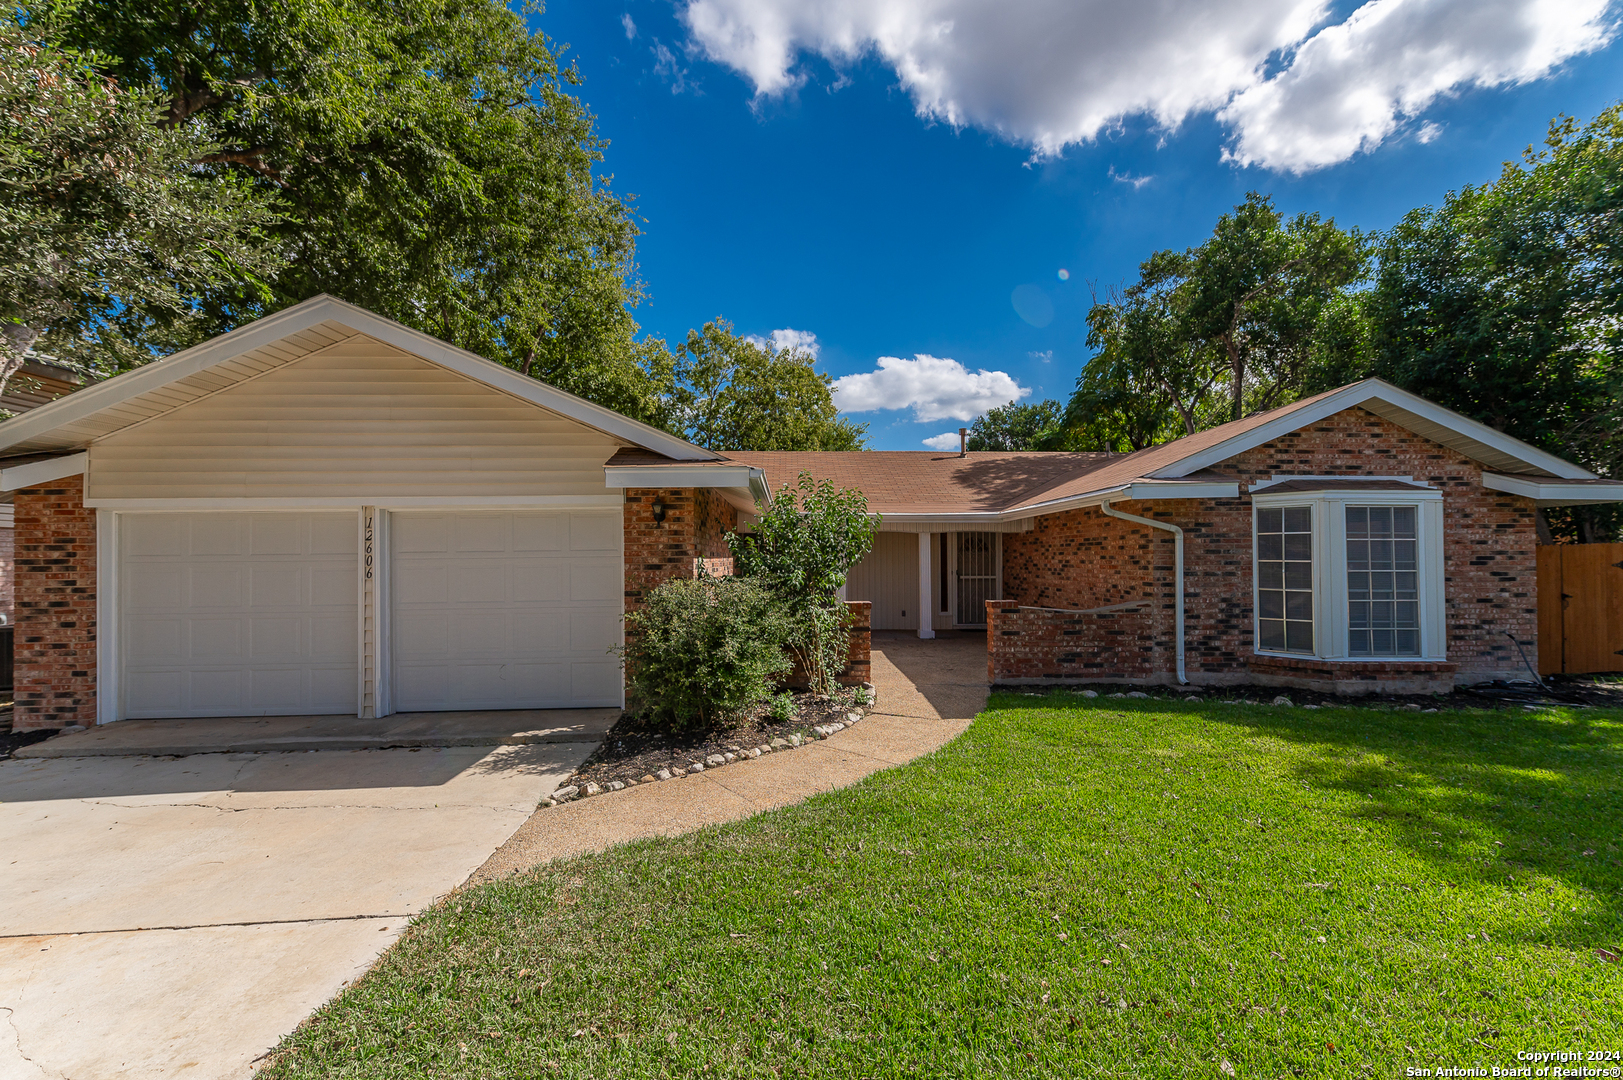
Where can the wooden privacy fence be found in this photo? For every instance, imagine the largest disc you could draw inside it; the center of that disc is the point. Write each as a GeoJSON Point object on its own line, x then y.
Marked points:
{"type": "Point", "coordinates": [1580, 608]}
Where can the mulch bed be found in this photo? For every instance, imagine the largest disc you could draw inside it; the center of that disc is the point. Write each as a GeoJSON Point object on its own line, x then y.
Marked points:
{"type": "Point", "coordinates": [1558, 690]}
{"type": "Point", "coordinates": [635, 747]}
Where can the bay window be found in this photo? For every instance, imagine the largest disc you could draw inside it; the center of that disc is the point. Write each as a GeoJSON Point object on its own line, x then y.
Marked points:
{"type": "Point", "coordinates": [1348, 568]}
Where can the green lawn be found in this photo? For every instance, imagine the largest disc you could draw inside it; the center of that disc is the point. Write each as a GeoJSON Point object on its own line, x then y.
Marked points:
{"type": "Point", "coordinates": [1073, 887]}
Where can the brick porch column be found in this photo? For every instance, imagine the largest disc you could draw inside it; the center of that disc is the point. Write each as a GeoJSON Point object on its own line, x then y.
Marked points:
{"type": "Point", "coordinates": [55, 599]}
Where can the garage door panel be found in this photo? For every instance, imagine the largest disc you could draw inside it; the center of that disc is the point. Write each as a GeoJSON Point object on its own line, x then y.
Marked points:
{"type": "Point", "coordinates": [219, 534]}
{"type": "Point", "coordinates": [276, 586]}
{"type": "Point", "coordinates": [214, 639]}
{"type": "Point", "coordinates": [163, 641]}
{"type": "Point", "coordinates": [594, 532]}
{"type": "Point", "coordinates": [481, 583]}
{"type": "Point", "coordinates": [540, 582]}
{"type": "Point", "coordinates": [238, 613]}
{"type": "Point", "coordinates": [540, 532]}
{"type": "Point", "coordinates": [597, 580]}
{"type": "Point", "coordinates": [480, 533]}
{"type": "Point", "coordinates": [216, 587]}
{"type": "Point", "coordinates": [501, 613]}
{"type": "Point", "coordinates": [156, 589]}
{"type": "Point", "coordinates": [598, 682]}
{"type": "Point", "coordinates": [154, 534]}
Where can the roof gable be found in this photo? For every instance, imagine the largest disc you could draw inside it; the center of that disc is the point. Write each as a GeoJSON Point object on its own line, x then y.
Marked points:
{"type": "Point", "coordinates": [76, 420]}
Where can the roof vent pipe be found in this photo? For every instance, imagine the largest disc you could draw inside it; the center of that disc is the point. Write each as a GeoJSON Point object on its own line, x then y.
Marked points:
{"type": "Point", "coordinates": [1177, 571]}
{"type": "Point", "coordinates": [963, 441]}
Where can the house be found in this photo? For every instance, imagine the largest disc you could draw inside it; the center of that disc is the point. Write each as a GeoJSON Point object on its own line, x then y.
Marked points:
{"type": "Point", "coordinates": [327, 512]}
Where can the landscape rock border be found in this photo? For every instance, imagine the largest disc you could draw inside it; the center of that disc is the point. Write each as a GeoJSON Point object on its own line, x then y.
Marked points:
{"type": "Point", "coordinates": [710, 762]}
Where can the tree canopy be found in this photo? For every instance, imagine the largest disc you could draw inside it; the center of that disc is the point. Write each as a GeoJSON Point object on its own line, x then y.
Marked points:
{"type": "Point", "coordinates": [429, 162]}
{"type": "Point", "coordinates": [735, 393]}
{"type": "Point", "coordinates": [104, 218]}
{"type": "Point", "coordinates": [1032, 426]}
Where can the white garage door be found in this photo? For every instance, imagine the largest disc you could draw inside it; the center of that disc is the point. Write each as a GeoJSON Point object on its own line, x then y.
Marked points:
{"type": "Point", "coordinates": [232, 614]}
{"type": "Point", "coordinates": [505, 610]}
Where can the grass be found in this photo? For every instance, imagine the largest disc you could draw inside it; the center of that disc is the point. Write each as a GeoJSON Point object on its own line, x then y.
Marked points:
{"type": "Point", "coordinates": [1072, 887]}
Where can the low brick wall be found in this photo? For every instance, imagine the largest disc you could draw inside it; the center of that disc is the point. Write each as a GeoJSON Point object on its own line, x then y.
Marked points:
{"type": "Point", "coordinates": [1123, 643]}
{"type": "Point", "coordinates": [859, 661]}
{"type": "Point", "coordinates": [859, 657]}
{"type": "Point", "coordinates": [1354, 676]}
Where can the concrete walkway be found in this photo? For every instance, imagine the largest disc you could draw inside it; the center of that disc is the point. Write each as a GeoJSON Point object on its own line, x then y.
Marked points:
{"type": "Point", "coordinates": [178, 917]}
{"type": "Point", "coordinates": [928, 691]}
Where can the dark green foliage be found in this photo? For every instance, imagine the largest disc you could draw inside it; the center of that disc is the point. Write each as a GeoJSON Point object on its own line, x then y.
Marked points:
{"type": "Point", "coordinates": [103, 219]}
{"type": "Point", "coordinates": [1034, 426]}
{"type": "Point", "coordinates": [734, 393]}
{"type": "Point", "coordinates": [800, 550]}
{"type": "Point", "coordinates": [430, 163]}
{"type": "Point", "coordinates": [699, 652]}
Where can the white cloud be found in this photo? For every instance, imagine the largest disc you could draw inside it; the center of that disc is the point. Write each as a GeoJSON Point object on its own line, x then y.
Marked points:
{"type": "Point", "coordinates": [1123, 178]}
{"type": "Point", "coordinates": [630, 27]}
{"type": "Point", "coordinates": [1053, 73]}
{"type": "Point", "coordinates": [802, 340]}
{"type": "Point", "coordinates": [667, 67]}
{"type": "Point", "coordinates": [1046, 356]}
{"type": "Point", "coordinates": [1352, 85]}
{"type": "Point", "coordinates": [934, 387]}
{"type": "Point", "coordinates": [1429, 132]}
{"type": "Point", "coordinates": [947, 440]}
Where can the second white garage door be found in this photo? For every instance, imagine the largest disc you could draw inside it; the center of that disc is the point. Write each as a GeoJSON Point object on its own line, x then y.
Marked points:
{"type": "Point", "coordinates": [505, 610]}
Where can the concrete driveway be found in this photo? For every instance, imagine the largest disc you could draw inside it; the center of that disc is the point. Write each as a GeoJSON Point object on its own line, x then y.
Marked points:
{"type": "Point", "coordinates": [175, 917]}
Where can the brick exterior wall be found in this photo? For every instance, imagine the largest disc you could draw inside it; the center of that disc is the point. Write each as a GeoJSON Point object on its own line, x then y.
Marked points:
{"type": "Point", "coordinates": [1040, 645]}
{"type": "Point", "coordinates": [859, 660]}
{"type": "Point", "coordinates": [55, 598]}
{"type": "Point", "coordinates": [1082, 559]}
{"type": "Point", "coordinates": [690, 539]}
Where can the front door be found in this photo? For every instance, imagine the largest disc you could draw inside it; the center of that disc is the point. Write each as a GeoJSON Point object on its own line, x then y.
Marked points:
{"type": "Point", "coordinates": [975, 576]}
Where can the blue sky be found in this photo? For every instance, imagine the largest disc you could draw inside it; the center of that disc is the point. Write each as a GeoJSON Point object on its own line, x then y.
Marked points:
{"type": "Point", "coordinates": [830, 206]}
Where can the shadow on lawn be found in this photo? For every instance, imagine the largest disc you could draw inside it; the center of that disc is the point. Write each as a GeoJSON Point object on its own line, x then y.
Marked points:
{"type": "Point", "coordinates": [1545, 786]}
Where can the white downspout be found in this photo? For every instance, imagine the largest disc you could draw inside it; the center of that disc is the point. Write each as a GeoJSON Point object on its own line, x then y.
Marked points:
{"type": "Point", "coordinates": [1177, 569]}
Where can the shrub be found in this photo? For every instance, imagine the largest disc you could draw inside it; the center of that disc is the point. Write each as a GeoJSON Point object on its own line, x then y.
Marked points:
{"type": "Point", "coordinates": [700, 652]}
{"type": "Point", "coordinates": [783, 707]}
{"type": "Point", "coordinates": [801, 549]}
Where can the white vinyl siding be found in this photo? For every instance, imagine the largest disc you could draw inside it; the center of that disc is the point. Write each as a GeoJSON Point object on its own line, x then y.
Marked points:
{"type": "Point", "coordinates": [359, 419]}
{"type": "Point", "coordinates": [505, 610]}
{"type": "Point", "coordinates": [237, 614]}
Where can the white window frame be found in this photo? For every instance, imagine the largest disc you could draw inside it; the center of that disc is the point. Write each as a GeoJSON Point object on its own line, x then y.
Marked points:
{"type": "Point", "coordinates": [1329, 508]}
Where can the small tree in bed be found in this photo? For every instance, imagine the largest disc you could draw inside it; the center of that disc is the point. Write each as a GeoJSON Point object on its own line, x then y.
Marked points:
{"type": "Point", "coordinates": [801, 550]}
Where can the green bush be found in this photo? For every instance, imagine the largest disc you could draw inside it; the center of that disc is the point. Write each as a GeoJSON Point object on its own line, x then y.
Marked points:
{"type": "Point", "coordinates": [700, 652]}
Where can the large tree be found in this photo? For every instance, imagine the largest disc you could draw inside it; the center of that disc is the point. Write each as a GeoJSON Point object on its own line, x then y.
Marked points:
{"type": "Point", "coordinates": [104, 218]}
{"type": "Point", "coordinates": [1505, 302]}
{"type": "Point", "coordinates": [735, 393]}
{"type": "Point", "coordinates": [432, 163]}
{"type": "Point", "coordinates": [1015, 426]}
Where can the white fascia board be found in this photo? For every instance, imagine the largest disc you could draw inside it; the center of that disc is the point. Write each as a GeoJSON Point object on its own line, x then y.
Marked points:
{"type": "Point", "coordinates": [159, 373]}
{"type": "Point", "coordinates": [1375, 390]}
{"type": "Point", "coordinates": [1554, 492]}
{"type": "Point", "coordinates": [935, 523]}
{"type": "Point", "coordinates": [677, 476]}
{"type": "Point", "coordinates": [42, 472]}
{"type": "Point", "coordinates": [1148, 490]}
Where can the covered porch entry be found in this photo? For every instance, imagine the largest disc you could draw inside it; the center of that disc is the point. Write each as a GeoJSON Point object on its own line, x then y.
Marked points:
{"type": "Point", "coordinates": [955, 571]}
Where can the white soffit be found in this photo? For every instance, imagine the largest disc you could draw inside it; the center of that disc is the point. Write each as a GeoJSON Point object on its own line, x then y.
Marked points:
{"type": "Point", "coordinates": [73, 421]}
{"type": "Point", "coordinates": [1477, 441]}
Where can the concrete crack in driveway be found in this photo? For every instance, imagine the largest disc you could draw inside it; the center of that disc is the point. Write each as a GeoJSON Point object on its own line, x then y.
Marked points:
{"type": "Point", "coordinates": [213, 925]}
{"type": "Point", "coordinates": [17, 1037]}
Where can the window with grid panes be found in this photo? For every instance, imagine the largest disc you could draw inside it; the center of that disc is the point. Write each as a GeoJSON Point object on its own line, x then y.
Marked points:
{"type": "Point", "coordinates": [1285, 579]}
{"type": "Point", "coordinates": [1383, 581]}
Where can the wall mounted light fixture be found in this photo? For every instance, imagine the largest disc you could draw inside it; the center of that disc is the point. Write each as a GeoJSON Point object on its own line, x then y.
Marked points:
{"type": "Point", "coordinates": [657, 509]}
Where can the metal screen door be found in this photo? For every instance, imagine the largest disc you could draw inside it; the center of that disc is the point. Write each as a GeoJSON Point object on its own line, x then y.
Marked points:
{"type": "Point", "coordinates": [977, 576]}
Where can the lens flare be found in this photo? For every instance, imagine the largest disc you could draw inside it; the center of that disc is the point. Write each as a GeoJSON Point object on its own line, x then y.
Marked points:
{"type": "Point", "coordinates": [1064, 274]}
